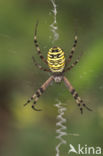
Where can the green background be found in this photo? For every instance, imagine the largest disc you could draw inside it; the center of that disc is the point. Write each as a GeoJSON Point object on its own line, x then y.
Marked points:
{"type": "Point", "coordinates": [24, 132]}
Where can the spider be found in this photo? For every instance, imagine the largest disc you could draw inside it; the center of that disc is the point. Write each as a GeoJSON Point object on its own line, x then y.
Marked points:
{"type": "Point", "coordinates": [57, 67]}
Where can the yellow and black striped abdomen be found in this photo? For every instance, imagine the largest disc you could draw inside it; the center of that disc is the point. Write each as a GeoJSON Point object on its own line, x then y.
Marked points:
{"type": "Point", "coordinates": [56, 59]}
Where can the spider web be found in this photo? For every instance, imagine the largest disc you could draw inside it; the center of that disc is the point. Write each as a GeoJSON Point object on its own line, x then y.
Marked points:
{"type": "Point", "coordinates": [61, 121]}
{"type": "Point", "coordinates": [60, 126]}
{"type": "Point", "coordinates": [54, 26]}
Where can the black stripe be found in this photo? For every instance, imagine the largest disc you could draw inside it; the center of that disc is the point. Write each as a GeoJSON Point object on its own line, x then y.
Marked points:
{"type": "Point", "coordinates": [75, 62]}
{"type": "Point", "coordinates": [35, 41]}
{"type": "Point", "coordinates": [34, 103]}
{"type": "Point", "coordinates": [52, 56]}
{"type": "Point", "coordinates": [32, 106]}
{"type": "Point", "coordinates": [81, 101]}
{"type": "Point", "coordinates": [70, 56]}
{"type": "Point", "coordinates": [79, 104]}
{"type": "Point", "coordinates": [41, 57]}
{"type": "Point", "coordinates": [31, 98]}
{"type": "Point", "coordinates": [38, 94]}
{"type": "Point", "coordinates": [74, 45]}
{"type": "Point", "coordinates": [39, 51]}
{"type": "Point", "coordinates": [45, 69]}
{"type": "Point", "coordinates": [76, 96]}
{"type": "Point", "coordinates": [72, 51]}
{"type": "Point", "coordinates": [58, 55]}
{"type": "Point", "coordinates": [28, 101]}
{"type": "Point", "coordinates": [81, 109]}
{"type": "Point", "coordinates": [84, 104]}
{"type": "Point", "coordinates": [41, 90]}
{"type": "Point", "coordinates": [75, 41]}
{"type": "Point", "coordinates": [72, 92]}
{"type": "Point", "coordinates": [37, 45]}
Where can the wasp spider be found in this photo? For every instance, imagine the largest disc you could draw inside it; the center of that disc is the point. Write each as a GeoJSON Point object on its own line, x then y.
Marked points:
{"type": "Point", "coordinates": [57, 66]}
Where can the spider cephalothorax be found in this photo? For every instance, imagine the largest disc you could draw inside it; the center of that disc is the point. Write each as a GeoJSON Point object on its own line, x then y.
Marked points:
{"type": "Point", "coordinates": [57, 66]}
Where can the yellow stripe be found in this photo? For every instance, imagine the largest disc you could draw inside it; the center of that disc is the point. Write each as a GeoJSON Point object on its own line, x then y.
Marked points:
{"type": "Point", "coordinates": [58, 65]}
{"type": "Point", "coordinates": [55, 53]}
{"type": "Point", "coordinates": [50, 62]}
{"type": "Point", "coordinates": [56, 60]}
{"type": "Point", "coordinates": [57, 69]}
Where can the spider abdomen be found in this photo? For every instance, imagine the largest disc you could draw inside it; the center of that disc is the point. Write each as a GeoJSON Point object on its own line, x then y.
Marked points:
{"type": "Point", "coordinates": [56, 59]}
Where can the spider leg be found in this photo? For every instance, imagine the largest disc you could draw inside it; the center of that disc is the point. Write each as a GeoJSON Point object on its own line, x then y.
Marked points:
{"type": "Point", "coordinates": [72, 65]}
{"type": "Point", "coordinates": [79, 102]}
{"type": "Point", "coordinates": [39, 66]}
{"type": "Point", "coordinates": [37, 45]}
{"type": "Point", "coordinates": [73, 49]}
{"type": "Point", "coordinates": [38, 93]}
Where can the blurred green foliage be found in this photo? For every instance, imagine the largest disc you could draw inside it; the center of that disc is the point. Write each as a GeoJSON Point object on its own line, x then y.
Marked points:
{"type": "Point", "coordinates": [25, 132]}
